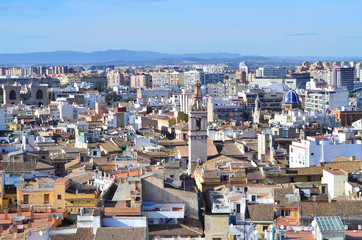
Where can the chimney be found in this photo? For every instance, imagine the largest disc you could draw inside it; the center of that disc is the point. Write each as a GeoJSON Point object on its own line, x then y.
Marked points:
{"type": "Point", "coordinates": [6, 213]}
{"type": "Point", "coordinates": [18, 211]}
{"type": "Point", "coordinates": [31, 212]}
{"type": "Point", "coordinates": [29, 225]}
{"type": "Point", "coordinates": [15, 229]}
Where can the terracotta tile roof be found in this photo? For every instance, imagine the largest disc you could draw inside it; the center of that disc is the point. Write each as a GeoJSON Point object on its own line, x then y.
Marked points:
{"type": "Point", "coordinates": [61, 180]}
{"type": "Point", "coordinates": [121, 233]}
{"type": "Point", "coordinates": [109, 147]}
{"type": "Point", "coordinates": [280, 196]}
{"type": "Point", "coordinates": [211, 150]}
{"type": "Point", "coordinates": [348, 208]}
{"type": "Point", "coordinates": [81, 234]}
{"type": "Point", "coordinates": [173, 230]}
{"type": "Point", "coordinates": [182, 126]}
{"type": "Point", "coordinates": [254, 174]}
{"type": "Point", "coordinates": [261, 212]}
{"type": "Point", "coordinates": [305, 235]}
{"type": "Point", "coordinates": [230, 149]}
{"type": "Point", "coordinates": [82, 177]}
{"type": "Point", "coordinates": [337, 172]}
{"type": "Point", "coordinates": [43, 165]}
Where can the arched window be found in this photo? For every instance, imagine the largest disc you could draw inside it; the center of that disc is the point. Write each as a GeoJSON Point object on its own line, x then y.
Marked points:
{"type": "Point", "coordinates": [12, 95]}
{"type": "Point", "coordinates": [198, 124]}
{"type": "Point", "coordinates": [39, 94]}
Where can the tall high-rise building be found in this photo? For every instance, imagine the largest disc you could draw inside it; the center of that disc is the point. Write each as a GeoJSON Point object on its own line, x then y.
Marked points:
{"type": "Point", "coordinates": [2, 71]}
{"type": "Point", "coordinates": [193, 76]}
{"type": "Point", "coordinates": [341, 76]}
{"type": "Point", "coordinates": [143, 80]}
{"type": "Point", "coordinates": [243, 67]}
{"type": "Point", "coordinates": [197, 131]}
{"type": "Point", "coordinates": [271, 72]}
{"type": "Point", "coordinates": [357, 69]}
{"type": "Point", "coordinates": [114, 78]}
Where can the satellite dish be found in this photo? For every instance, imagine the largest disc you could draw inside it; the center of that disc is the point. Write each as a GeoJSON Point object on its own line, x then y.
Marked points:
{"type": "Point", "coordinates": [282, 227]}
{"type": "Point", "coordinates": [40, 233]}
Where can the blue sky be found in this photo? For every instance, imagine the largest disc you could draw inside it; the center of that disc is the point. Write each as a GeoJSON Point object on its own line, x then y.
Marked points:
{"type": "Point", "coordinates": [253, 27]}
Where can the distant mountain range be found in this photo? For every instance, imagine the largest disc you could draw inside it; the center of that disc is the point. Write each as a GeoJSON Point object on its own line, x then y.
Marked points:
{"type": "Point", "coordinates": [127, 57]}
{"type": "Point", "coordinates": [101, 57]}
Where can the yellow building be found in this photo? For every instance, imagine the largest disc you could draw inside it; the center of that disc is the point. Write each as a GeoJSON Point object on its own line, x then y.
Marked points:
{"type": "Point", "coordinates": [164, 122]}
{"type": "Point", "coordinates": [219, 171]}
{"type": "Point", "coordinates": [35, 194]}
{"type": "Point", "coordinates": [181, 116]}
{"type": "Point", "coordinates": [69, 79]}
{"type": "Point", "coordinates": [14, 127]}
{"type": "Point", "coordinates": [73, 199]}
{"type": "Point", "coordinates": [58, 194]}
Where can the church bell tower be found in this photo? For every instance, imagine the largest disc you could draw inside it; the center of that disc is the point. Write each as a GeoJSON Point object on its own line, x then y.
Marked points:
{"type": "Point", "coordinates": [197, 131]}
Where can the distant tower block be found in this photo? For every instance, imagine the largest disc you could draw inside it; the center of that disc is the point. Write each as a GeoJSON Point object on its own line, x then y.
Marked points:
{"type": "Point", "coordinates": [197, 131]}
{"type": "Point", "coordinates": [11, 94]}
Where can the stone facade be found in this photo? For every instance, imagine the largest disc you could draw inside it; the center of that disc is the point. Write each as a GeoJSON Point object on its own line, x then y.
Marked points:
{"type": "Point", "coordinates": [34, 94]}
{"type": "Point", "coordinates": [197, 131]}
{"type": "Point", "coordinates": [11, 94]}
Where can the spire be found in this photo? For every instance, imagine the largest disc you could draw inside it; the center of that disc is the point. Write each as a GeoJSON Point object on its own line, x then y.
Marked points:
{"type": "Point", "coordinates": [197, 104]}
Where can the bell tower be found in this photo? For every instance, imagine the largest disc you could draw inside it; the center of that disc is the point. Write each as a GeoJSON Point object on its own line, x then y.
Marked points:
{"type": "Point", "coordinates": [197, 131]}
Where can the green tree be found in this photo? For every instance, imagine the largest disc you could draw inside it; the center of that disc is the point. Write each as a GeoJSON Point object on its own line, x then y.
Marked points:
{"type": "Point", "coordinates": [112, 97]}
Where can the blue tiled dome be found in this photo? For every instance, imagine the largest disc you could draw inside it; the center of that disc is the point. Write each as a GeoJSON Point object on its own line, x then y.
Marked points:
{"type": "Point", "coordinates": [291, 97]}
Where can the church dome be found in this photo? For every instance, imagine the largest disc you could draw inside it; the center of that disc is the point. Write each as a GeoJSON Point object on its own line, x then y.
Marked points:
{"type": "Point", "coordinates": [291, 97]}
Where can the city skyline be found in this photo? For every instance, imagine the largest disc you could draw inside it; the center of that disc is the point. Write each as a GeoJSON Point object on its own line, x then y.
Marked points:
{"type": "Point", "coordinates": [264, 28]}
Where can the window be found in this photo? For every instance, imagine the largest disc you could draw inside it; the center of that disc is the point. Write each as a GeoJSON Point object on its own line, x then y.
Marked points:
{"type": "Point", "coordinates": [198, 124]}
{"type": "Point", "coordinates": [309, 179]}
{"type": "Point", "coordinates": [216, 238]}
{"type": "Point", "coordinates": [79, 202]}
{"type": "Point", "coordinates": [312, 154]}
{"type": "Point", "coordinates": [88, 202]}
{"type": "Point", "coordinates": [253, 198]}
{"type": "Point", "coordinates": [59, 197]}
{"type": "Point", "coordinates": [26, 199]}
{"type": "Point", "coordinates": [238, 208]}
{"type": "Point", "coordinates": [323, 189]}
{"type": "Point", "coordinates": [224, 178]}
{"type": "Point", "coordinates": [46, 198]}
{"type": "Point", "coordinates": [94, 153]}
{"type": "Point", "coordinates": [285, 213]}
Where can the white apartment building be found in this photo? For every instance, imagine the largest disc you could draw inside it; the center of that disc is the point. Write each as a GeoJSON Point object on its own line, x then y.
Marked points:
{"type": "Point", "coordinates": [317, 149]}
{"type": "Point", "coordinates": [332, 98]}
{"type": "Point", "coordinates": [297, 118]}
{"type": "Point", "coordinates": [335, 179]}
{"type": "Point", "coordinates": [193, 76]}
{"type": "Point", "coordinates": [90, 99]}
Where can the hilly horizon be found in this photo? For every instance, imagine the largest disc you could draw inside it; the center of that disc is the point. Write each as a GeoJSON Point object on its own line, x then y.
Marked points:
{"type": "Point", "coordinates": [124, 56]}
{"type": "Point", "coordinates": [107, 56]}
